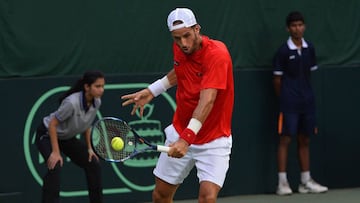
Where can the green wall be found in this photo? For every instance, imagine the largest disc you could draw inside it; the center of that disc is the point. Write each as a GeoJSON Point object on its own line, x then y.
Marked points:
{"type": "Point", "coordinates": [46, 45]}
{"type": "Point", "coordinates": [334, 152]}
{"type": "Point", "coordinates": [47, 38]}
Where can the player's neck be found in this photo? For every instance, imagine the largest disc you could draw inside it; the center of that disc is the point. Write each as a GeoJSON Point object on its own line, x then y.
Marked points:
{"type": "Point", "coordinates": [89, 99]}
{"type": "Point", "coordinates": [297, 42]}
{"type": "Point", "coordinates": [199, 43]}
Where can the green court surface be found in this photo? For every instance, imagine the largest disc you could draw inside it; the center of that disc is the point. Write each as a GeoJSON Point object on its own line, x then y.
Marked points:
{"type": "Point", "coordinates": [350, 195]}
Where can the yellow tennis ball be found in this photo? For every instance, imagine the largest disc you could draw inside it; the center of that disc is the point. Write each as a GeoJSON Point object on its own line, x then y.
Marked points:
{"type": "Point", "coordinates": [117, 143]}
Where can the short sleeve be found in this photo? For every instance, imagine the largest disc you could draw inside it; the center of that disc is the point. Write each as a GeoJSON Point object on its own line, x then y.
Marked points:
{"type": "Point", "coordinates": [313, 63]}
{"type": "Point", "coordinates": [216, 73]}
{"type": "Point", "coordinates": [65, 110]}
{"type": "Point", "coordinates": [279, 62]}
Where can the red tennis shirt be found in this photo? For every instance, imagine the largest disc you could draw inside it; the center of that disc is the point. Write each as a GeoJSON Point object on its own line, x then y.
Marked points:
{"type": "Point", "coordinates": [208, 67]}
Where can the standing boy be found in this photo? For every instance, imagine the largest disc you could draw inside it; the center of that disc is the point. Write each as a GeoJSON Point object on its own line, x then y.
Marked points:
{"type": "Point", "coordinates": [293, 64]}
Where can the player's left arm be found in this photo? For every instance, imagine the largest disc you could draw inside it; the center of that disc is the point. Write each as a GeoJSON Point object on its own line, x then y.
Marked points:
{"type": "Point", "coordinates": [315, 75]}
{"type": "Point", "coordinates": [277, 84]}
{"type": "Point", "coordinates": [205, 105]}
{"type": "Point", "coordinates": [313, 61]}
{"type": "Point", "coordinates": [201, 112]}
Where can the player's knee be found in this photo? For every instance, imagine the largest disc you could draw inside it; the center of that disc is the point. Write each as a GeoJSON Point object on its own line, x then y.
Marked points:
{"type": "Point", "coordinates": [207, 198]}
{"type": "Point", "coordinates": [285, 140]}
{"type": "Point", "coordinates": [94, 166]}
{"type": "Point", "coordinates": [158, 196]}
{"type": "Point", "coordinates": [208, 192]}
{"type": "Point", "coordinates": [303, 140]}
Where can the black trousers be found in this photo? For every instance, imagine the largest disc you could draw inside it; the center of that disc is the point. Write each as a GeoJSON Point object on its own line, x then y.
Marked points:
{"type": "Point", "coordinates": [77, 151]}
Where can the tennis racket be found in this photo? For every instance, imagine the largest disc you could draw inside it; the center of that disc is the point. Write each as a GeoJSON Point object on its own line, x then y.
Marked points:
{"type": "Point", "coordinates": [105, 129]}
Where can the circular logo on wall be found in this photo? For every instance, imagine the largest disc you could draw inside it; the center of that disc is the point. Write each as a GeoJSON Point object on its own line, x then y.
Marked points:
{"type": "Point", "coordinates": [134, 174]}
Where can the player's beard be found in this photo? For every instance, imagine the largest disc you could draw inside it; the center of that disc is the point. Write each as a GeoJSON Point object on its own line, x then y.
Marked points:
{"type": "Point", "coordinates": [196, 45]}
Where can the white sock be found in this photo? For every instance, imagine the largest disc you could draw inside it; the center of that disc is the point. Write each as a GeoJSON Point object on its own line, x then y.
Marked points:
{"type": "Point", "coordinates": [282, 177]}
{"type": "Point", "coordinates": [305, 177]}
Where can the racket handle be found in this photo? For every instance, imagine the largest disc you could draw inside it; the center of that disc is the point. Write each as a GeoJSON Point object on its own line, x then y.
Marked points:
{"type": "Point", "coordinates": [161, 148]}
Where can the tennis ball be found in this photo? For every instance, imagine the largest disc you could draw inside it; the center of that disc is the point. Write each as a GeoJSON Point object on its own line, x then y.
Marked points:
{"type": "Point", "coordinates": [117, 143]}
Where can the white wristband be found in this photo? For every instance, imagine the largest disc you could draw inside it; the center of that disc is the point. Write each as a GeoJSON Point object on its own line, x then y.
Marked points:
{"type": "Point", "coordinates": [159, 86]}
{"type": "Point", "coordinates": [165, 81]}
{"type": "Point", "coordinates": [194, 125]}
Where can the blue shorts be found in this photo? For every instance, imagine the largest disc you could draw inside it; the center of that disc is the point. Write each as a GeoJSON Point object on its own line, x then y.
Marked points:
{"type": "Point", "coordinates": [295, 123]}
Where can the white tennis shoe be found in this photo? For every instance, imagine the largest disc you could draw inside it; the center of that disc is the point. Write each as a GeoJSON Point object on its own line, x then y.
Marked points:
{"type": "Point", "coordinates": [284, 189]}
{"type": "Point", "coordinates": [312, 187]}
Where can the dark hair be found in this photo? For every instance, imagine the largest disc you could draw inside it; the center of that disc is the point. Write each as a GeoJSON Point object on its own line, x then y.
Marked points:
{"type": "Point", "coordinates": [88, 78]}
{"type": "Point", "coordinates": [294, 16]}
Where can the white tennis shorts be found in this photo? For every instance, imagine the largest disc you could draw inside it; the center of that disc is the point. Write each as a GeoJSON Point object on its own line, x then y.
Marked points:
{"type": "Point", "coordinates": [211, 161]}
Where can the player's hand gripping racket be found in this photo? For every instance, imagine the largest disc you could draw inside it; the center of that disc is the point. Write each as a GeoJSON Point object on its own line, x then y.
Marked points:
{"type": "Point", "coordinates": [105, 129]}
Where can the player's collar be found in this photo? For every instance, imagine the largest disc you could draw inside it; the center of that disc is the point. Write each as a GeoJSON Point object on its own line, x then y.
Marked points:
{"type": "Point", "coordinates": [84, 102]}
{"type": "Point", "coordinates": [292, 46]}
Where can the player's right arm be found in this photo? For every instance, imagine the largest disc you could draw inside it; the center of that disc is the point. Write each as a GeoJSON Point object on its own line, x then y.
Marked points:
{"type": "Point", "coordinates": [144, 96]}
{"type": "Point", "coordinates": [279, 63]}
{"type": "Point", "coordinates": [277, 84]}
{"type": "Point", "coordinates": [172, 77]}
{"type": "Point", "coordinates": [55, 155]}
{"type": "Point", "coordinates": [206, 103]}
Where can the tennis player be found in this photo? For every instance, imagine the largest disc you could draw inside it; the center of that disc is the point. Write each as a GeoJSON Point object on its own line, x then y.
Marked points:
{"type": "Point", "coordinates": [200, 134]}
{"type": "Point", "coordinates": [293, 64]}
{"type": "Point", "coordinates": [57, 132]}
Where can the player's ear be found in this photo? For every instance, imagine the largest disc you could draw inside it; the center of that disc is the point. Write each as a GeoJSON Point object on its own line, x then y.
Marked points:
{"type": "Point", "coordinates": [197, 28]}
{"type": "Point", "coordinates": [86, 87]}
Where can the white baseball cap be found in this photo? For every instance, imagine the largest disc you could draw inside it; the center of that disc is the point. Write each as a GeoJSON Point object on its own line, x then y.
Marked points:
{"type": "Point", "coordinates": [181, 14]}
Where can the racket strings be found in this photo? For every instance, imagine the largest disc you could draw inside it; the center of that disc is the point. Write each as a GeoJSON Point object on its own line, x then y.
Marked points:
{"type": "Point", "coordinates": [106, 131]}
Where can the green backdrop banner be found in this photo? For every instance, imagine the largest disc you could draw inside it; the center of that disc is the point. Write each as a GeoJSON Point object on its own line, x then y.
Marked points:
{"type": "Point", "coordinates": [65, 37]}
{"type": "Point", "coordinates": [335, 159]}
